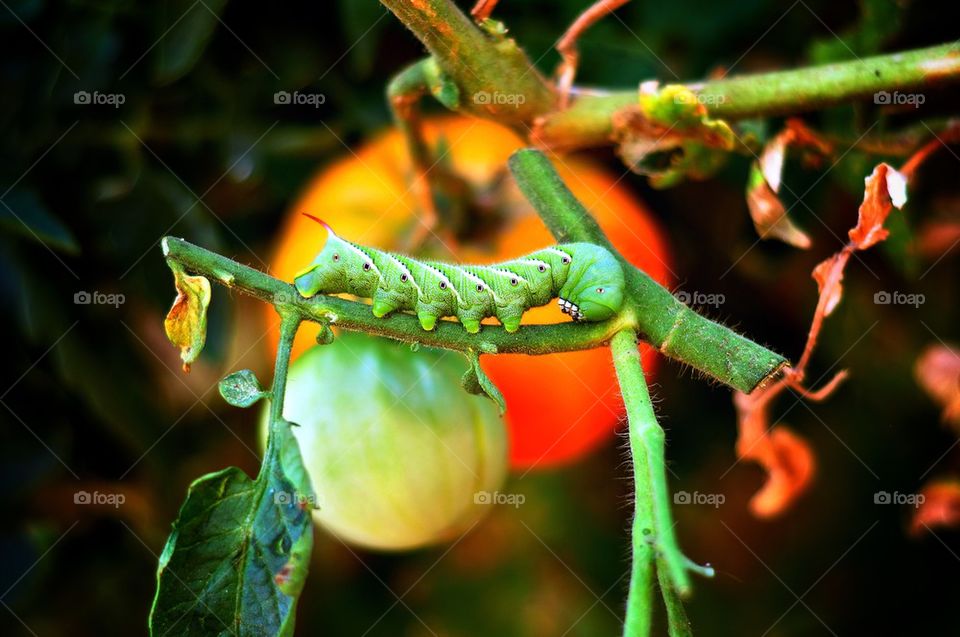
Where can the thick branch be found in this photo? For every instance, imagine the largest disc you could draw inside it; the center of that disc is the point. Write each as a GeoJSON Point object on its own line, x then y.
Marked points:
{"type": "Point", "coordinates": [477, 62]}
{"type": "Point", "coordinates": [588, 121]}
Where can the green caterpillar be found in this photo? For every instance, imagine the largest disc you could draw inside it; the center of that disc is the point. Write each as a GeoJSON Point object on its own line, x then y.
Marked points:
{"type": "Point", "coordinates": [587, 280]}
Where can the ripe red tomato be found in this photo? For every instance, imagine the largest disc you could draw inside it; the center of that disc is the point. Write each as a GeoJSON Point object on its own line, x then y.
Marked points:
{"type": "Point", "coordinates": [559, 407]}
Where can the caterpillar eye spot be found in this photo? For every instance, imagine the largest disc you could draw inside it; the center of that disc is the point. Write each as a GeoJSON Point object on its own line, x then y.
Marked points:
{"type": "Point", "coordinates": [443, 285]}
{"type": "Point", "coordinates": [542, 268]}
{"type": "Point", "coordinates": [403, 277]}
{"type": "Point", "coordinates": [513, 281]}
{"type": "Point", "coordinates": [336, 257]}
{"type": "Point", "coordinates": [479, 287]}
{"type": "Point", "coordinates": [599, 290]}
{"type": "Point", "coordinates": [366, 266]}
{"type": "Point", "coordinates": [566, 260]}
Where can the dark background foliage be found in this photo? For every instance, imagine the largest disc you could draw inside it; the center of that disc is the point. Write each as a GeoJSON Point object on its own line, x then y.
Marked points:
{"type": "Point", "coordinates": [200, 150]}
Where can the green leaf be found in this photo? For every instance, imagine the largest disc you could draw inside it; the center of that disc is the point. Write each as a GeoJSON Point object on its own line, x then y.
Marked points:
{"type": "Point", "coordinates": [241, 389]}
{"type": "Point", "coordinates": [184, 36]}
{"type": "Point", "coordinates": [475, 381]}
{"type": "Point", "coordinates": [23, 212]}
{"type": "Point", "coordinates": [237, 558]}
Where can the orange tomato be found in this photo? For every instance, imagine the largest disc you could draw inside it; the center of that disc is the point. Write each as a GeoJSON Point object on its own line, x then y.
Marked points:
{"type": "Point", "coordinates": [560, 406]}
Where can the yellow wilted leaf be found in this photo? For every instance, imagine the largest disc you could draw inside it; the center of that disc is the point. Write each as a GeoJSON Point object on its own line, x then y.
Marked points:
{"type": "Point", "coordinates": [186, 322]}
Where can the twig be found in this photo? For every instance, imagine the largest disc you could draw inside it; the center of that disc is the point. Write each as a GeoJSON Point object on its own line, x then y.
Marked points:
{"type": "Point", "coordinates": [567, 45]}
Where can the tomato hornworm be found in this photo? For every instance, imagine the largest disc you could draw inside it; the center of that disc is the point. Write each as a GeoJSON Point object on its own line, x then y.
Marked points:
{"type": "Point", "coordinates": [586, 279]}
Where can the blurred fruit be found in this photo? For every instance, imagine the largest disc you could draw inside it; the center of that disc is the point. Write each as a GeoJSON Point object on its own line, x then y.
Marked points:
{"type": "Point", "coordinates": [559, 407]}
{"type": "Point", "coordinates": [399, 455]}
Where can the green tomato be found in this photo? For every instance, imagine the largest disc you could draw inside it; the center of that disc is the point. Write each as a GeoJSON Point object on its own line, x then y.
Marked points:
{"type": "Point", "coordinates": [397, 451]}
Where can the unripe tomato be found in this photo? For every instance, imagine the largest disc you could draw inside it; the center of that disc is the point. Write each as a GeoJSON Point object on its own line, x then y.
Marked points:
{"type": "Point", "coordinates": [559, 407]}
{"type": "Point", "coordinates": [398, 453]}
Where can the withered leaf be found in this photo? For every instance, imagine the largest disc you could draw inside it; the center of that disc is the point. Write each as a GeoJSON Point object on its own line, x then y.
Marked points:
{"type": "Point", "coordinates": [186, 322]}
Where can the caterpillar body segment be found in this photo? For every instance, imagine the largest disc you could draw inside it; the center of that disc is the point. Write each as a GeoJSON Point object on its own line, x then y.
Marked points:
{"type": "Point", "coordinates": [587, 280]}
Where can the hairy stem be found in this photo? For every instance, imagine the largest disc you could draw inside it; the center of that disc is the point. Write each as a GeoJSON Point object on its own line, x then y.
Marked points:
{"type": "Point", "coordinates": [588, 122]}
{"type": "Point", "coordinates": [649, 461]}
{"type": "Point", "coordinates": [661, 318]}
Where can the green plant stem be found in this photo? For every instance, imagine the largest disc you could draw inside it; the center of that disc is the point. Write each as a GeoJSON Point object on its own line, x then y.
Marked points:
{"type": "Point", "coordinates": [289, 324]}
{"type": "Point", "coordinates": [647, 447]}
{"type": "Point", "coordinates": [677, 623]}
{"type": "Point", "coordinates": [476, 61]}
{"type": "Point", "coordinates": [665, 322]}
{"type": "Point", "coordinates": [588, 122]}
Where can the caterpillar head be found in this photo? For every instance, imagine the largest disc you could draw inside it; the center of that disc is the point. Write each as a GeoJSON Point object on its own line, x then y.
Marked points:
{"type": "Point", "coordinates": [339, 267]}
{"type": "Point", "coordinates": [595, 285]}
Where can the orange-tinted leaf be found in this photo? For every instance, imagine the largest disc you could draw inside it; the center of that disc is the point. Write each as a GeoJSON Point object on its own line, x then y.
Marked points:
{"type": "Point", "coordinates": [790, 465]}
{"type": "Point", "coordinates": [186, 322]}
{"type": "Point", "coordinates": [769, 216]}
{"type": "Point", "coordinates": [939, 508]}
{"type": "Point", "coordinates": [885, 188]}
{"type": "Point", "coordinates": [829, 277]}
{"type": "Point", "coordinates": [938, 372]}
{"type": "Point", "coordinates": [786, 457]}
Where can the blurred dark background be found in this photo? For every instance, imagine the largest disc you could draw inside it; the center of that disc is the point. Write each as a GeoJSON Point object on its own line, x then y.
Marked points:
{"type": "Point", "coordinates": [199, 149]}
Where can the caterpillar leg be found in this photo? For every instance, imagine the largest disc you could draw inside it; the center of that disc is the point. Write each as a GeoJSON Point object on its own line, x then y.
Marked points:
{"type": "Point", "coordinates": [427, 320]}
{"type": "Point", "coordinates": [382, 307]}
{"type": "Point", "coordinates": [472, 325]}
{"type": "Point", "coordinates": [511, 323]}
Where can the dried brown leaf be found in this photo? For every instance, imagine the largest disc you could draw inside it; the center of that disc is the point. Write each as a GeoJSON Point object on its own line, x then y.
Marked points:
{"type": "Point", "coordinates": [885, 188]}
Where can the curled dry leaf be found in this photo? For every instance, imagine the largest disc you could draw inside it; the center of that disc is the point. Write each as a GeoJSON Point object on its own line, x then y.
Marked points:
{"type": "Point", "coordinates": [829, 277]}
{"type": "Point", "coordinates": [939, 508]}
{"type": "Point", "coordinates": [786, 457]}
{"type": "Point", "coordinates": [767, 211]}
{"type": "Point", "coordinates": [885, 188]}
{"type": "Point", "coordinates": [938, 371]}
{"type": "Point", "coordinates": [186, 322]}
